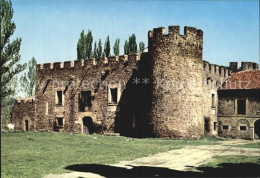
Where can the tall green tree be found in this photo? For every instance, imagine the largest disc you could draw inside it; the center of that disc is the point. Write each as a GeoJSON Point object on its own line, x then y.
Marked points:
{"type": "Point", "coordinates": [132, 44]}
{"type": "Point", "coordinates": [9, 52]}
{"type": "Point", "coordinates": [99, 49]}
{"type": "Point", "coordinates": [84, 46]}
{"type": "Point", "coordinates": [126, 47]}
{"type": "Point", "coordinates": [81, 46]}
{"type": "Point", "coordinates": [116, 47]}
{"type": "Point", "coordinates": [95, 50]}
{"type": "Point", "coordinates": [107, 47]}
{"type": "Point", "coordinates": [27, 80]}
{"type": "Point", "coordinates": [141, 46]}
{"type": "Point", "coordinates": [88, 44]}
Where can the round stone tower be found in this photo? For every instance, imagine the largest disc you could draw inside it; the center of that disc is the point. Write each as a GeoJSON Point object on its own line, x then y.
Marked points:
{"type": "Point", "coordinates": [177, 103]}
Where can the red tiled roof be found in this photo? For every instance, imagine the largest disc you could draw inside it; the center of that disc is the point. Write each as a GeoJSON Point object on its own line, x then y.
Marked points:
{"type": "Point", "coordinates": [242, 80]}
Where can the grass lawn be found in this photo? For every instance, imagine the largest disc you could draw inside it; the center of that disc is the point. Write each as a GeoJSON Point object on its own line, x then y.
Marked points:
{"type": "Point", "coordinates": [250, 145]}
{"type": "Point", "coordinates": [217, 160]}
{"type": "Point", "coordinates": [35, 154]}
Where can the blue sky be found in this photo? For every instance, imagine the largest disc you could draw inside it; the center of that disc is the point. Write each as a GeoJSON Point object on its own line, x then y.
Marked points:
{"type": "Point", "coordinates": [50, 29]}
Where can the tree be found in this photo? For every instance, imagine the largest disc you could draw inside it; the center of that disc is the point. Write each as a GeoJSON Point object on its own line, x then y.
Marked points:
{"type": "Point", "coordinates": [132, 44]}
{"type": "Point", "coordinates": [80, 46]}
{"type": "Point", "coordinates": [95, 50]}
{"type": "Point", "coordinates": [141, 46]}
{"type": "Point", "coordinates": [88, 44]}
{"type": "Point", "coordinates": [27, 81]}
{"type": "Point", "coordinates": [116, 47]}
{"type": "Point", "coordinates": [107, 47]}
{"type": "Point", "coordinates": [126, 47]}
{"type": "Point", "coordinates": [84, 46]}
{"type": "Point", "coordinates": [99, 49]}
{"type": "Point", "coordinates": [9, 52]}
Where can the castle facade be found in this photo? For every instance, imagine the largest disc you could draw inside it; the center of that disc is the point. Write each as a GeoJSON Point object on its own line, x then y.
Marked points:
{"type": "Point", "coordinates": [168, 91]}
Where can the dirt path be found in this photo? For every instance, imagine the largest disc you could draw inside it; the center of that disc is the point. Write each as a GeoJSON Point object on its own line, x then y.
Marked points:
{"type": "Point", "coordinates": [191, 156]}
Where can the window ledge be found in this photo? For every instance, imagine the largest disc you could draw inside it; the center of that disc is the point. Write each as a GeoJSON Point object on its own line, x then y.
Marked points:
{"type": "Point", "coordinates": [112, 104]}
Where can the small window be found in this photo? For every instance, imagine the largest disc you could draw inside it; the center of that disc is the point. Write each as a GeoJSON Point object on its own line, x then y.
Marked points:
{"type": "Point", "coordinates": [215, 125]}
{"type": "Point", "coordinates": [59, 122]}
{"type": "Point", "coordinates": [59, 98]}
{"type": "Point", "coordinates": [241, 107]}
{"type": "Point", "coordinates": [213, 101]}
{"type": "Point", "coordinates": [225, 127]}
{"type": "Point", "coordinates": [242, 127]}
{"type": "Point", "coordinates": [112, 97]}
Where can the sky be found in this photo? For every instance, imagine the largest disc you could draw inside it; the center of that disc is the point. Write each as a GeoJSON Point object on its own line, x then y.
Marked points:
{"type": "Point", "coordinates": [50, 29]}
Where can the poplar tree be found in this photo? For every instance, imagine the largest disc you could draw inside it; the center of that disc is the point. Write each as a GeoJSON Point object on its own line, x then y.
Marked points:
{"type": "Point", "coordinates": [27, 80]}
{"type": "Point", "coordinates": [81, 46]}
{"type": "Point", "coordinates": [88, 44]}
{"type": "Point", "coordinates": [84, 46]}
{"type": "Point", "coordinates": [107, 47]}
{"type": "Point", "coordinates": [99, 49]}
{"type": "Point", "coordinates": [132, 44]}
{"type": "Point", "coordinates": [126, 47]}
{"type": "Point", "coordinates": [9, 52]}
{"type": "Point", "coordinates": [116, 47]}
{"type": "Point", "coordinates": [141, 46]}
{"type": "Point", "coordinates": [95, 50]}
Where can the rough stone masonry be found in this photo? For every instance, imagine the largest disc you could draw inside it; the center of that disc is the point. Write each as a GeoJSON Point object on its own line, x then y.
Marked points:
{"type": "Point", "coordinates": [168, 91]}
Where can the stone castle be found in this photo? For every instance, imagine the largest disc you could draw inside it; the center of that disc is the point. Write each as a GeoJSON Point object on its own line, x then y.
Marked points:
{"type": "Point", "coordinates": [168, 91]}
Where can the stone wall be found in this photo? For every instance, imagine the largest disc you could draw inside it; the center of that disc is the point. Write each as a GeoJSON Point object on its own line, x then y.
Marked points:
{"type": "Point", "coordinates": [228, 113]}
{"type": "Point", "coordinates": [177, 77]}
{"type": "Point", "coordinates": [96, 76]}
{"type": "Point", "coordinates": [24, 109]}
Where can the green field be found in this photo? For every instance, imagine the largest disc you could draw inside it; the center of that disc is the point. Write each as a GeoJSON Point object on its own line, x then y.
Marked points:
{"type": "Point", "coordinates": [35, 154]}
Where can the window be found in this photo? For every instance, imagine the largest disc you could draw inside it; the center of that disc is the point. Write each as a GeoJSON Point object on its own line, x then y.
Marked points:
{"type": "Point", "coordinates": [215, 125]}
{"type": "Point", "coordinates": [213, 101]}
{"type": "Point", "coordinates": [112, 95]}
{"type": "Point", "coordinates": [241, 107]}
{"type": "Point", "coordinates": [225, 127]}
{"type": "Point", "coordinates": [59, 122]}
{"type": "Point", "coordinates": [84, 100]}
{"type": "Point", "coordinates": [206, 125]}
{"type": "Point", "coordinates": [59, 98]}
{"type": "Point", "coordinates": [242, 127]}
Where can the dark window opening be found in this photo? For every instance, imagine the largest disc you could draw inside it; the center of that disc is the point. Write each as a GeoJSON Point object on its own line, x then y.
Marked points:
{"type": "Point", "coordinates": [113, 95]}
{"type": "Point", "coordinates": [242, 127]}
{"type": "Point", "coordinates": [26, 125]}
{"type": "Point", "coordinates": [213, 101]}
{"type": "Point", "coordinates": [215, 125]}
{"type": "Point", "coordinates": [241, 107]}
{"type": "Point", "coordinates": [59, 98]}
{"type": "Point", "coordinates": [84, 100]}
{"type": "Point", "coordinates": [225, 127]}
{"type": "Point", "coordinates": [59, 122]}
{"type": "Point", "coordinates": [206, 125]}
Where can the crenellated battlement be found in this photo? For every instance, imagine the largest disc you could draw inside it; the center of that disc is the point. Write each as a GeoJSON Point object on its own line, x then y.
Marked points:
{"type": "Point", "coordinates": [175, 30]}
{"type": "Point", "coordinates": [134, 58]}
{"type": "Point", "coordinates": [216, 70]}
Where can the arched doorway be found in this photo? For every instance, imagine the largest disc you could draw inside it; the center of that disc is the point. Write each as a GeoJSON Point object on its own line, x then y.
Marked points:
{"type": "Point", "coordinates": [26, 125]}
{"type": "Point", "coordinates": [257, 129]}
{"type": "Point", "coordinates": [87, 125]}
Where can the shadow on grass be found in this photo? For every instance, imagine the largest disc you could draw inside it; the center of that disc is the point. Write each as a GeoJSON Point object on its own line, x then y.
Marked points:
{"type": "Point", "coordinates": [225, 170]}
